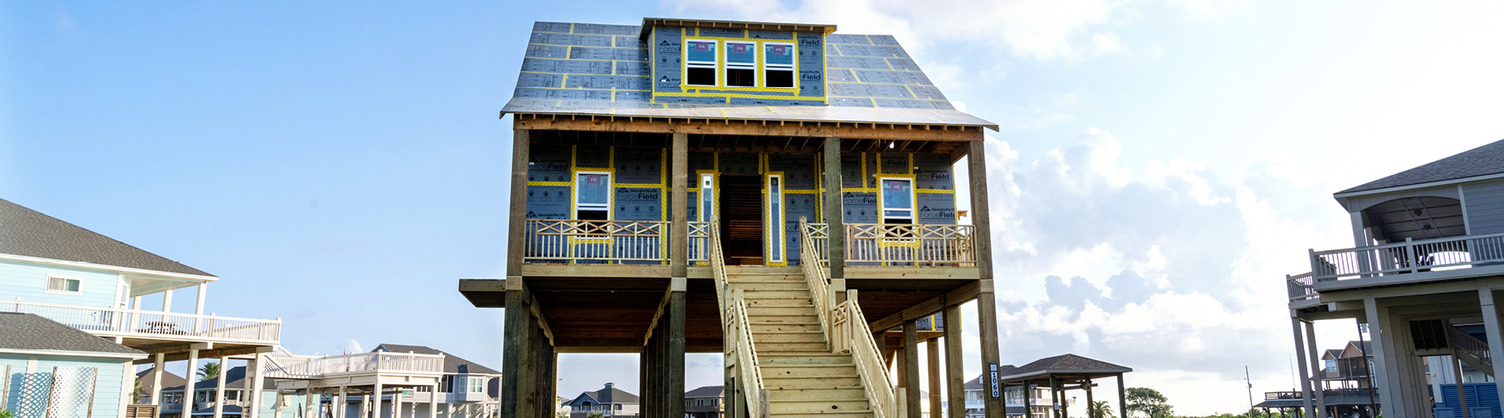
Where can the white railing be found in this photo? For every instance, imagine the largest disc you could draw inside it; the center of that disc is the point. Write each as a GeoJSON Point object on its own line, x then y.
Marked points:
{"type": "Point", "coordinates": [119, 322]}
{"type": "Point", "coordinates": [699, 243]}
{"type": "Point", "coordinates": [847, 331]}
{"type": "Point", "coordinates": [584, 241]}
{"type": "Point", "coordinates": [900, 245]}
{"type": "Point", "coordinates": [1407, 257]}
{"type": "Point", "coordinates": [1301, 286]}
{"type": "Point", "coordinates": [1470, 348]}
{"type": "Point", "coordinates": [309, 367]}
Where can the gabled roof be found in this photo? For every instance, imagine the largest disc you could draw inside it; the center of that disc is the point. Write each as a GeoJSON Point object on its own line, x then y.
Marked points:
{"type": "Point", "coordinates": [148, 379]}
{"type": "Point", "coordinates": [604, 70]}
{"type": "Point", "coordinates": [1064, 364]}
{"type": "Point", "coordinates": [1477, 162]}
{"type": "Point", "coordinates": [30, 332]}
{"type": "Point", "coordinates": [1331, 355]}
{"type": "Point", "coordinates": [26, 232]}
{"type": "Point", "coordinates": [452, 364]}
{"type": "Point", "coordinates": [607, 395]}
{"type": "Point", "coordinates": [705, 392]}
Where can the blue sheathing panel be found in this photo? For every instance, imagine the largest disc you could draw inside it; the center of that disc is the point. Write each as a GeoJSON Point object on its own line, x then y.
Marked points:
{"type": "Point", "coordinates": [638, 204]}
{"type": "Point", "coordinates": [722, 33]}
{"type": "Point", "coordinates": [619, 54]}
{"type": "Point", "coordinates": [760, 34]}
{"type": "Point", "coordinates": [936, 208]}
{"type": "Point", "coordinates": [557, 27]}
{"type": "Point", "coordinates": [666, 44]}
{"type": "Point", "coordinates": [851, 170]}
{"type": "Point", "coordinates": [860, 207]}
{"type": "Point", "coordinates": [795, 206]}
{"type": "Point", "coordinates": [560, 66]}
{"type": "Point", "coordinates": [798, 170]}
{"type": "Point", "coordinates": [700, 161]}
{"type": "Point", "coordinates": [870, 158]}
{"type": "Point", "coordinates": [548, 202]}
{"type": "Point", "coordinates": [811, 65]}
{"type": "Point", "coordinates": [895, 162]}
{"type": "Point", "coordinates": [639, 165]}
{"type": "Point", "coordinates": [738, 164]}
{"type": "Point", "coordinates": [933, 172]}
{"type": "Point", "coordinates": [592, 156]}
{"type": "Point", "coordinates": [548, 164]}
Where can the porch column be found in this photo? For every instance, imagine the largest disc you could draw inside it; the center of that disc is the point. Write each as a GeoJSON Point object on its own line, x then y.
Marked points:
{"type": "Point", "coordinates": [198, 306]}
{"type": "Point", "coordinates": [192, 377]}
{"type": "Point", "coordinates": [933, 360]}
{"type": "Point", "coordinates": [1491, 328]}
{"type": "Point", "coordinates": [1054, 398]}
{"type": "Point", "coordinates": [986, 306]}
{"type": "Point", "coordinates": [376, 401]}
{"type": "Point", "coordinates": [517, 354]}
{"type": "Point", "coordinates": [910, 370]}
{"type": "Point", "coordinates": [832, 205]}
{"type": "Point", "coordinates": [1122, 398]}
{"type": "Point", "coordinates": [1316, 379]}
{"type": "Point", "coordinates": [678, 243]}
{"type": "Point", "coordinates": [674, 382]}
{"type": "Point", "coordinates": [1379, 339]}
{"type": "Point", "coordinates": [1089, 401]}
{"type": "Point", "coordinates": [955, 374]}
{"type": "Point", "coordinates": [258, 384]}
{"type": "Point", "coordinates": [311, 403]}
{"type": "Point", "coordinates": [219, 387]}
{"type": "Point", "coordinates": [156, 384]}
{"type": "Point", "coordinates": [337, 405]}
{"type": "Point", "coordinates": [1456, 366]}
{"type": "Point", "coordinates": [516, 231]}
{"type": "Point", "coordinates": [1305, 373]}
{"type": "Point", "coordinates": [1029, 400]}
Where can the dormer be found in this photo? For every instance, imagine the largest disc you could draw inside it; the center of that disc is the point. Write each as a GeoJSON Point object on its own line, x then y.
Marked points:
{"type": "Point", "coordinates": [751, 63]}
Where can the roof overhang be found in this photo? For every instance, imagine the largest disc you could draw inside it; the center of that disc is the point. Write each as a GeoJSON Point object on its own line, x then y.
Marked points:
{"type": "Point", "coordinates": [913, 129]}
{"type": "Point", "coordinates": [648, 23]}
{"type": "Point", "coordinates": [72, 353]}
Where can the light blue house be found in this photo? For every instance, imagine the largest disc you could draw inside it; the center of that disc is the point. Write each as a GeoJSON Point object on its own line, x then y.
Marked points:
{"type": "Point", "coordinates": [50, 370]}
{"type": "Point", "coordinates": [98, 285]}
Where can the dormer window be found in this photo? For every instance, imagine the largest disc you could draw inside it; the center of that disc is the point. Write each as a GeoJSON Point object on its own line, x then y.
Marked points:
{"type": "Point", "coordinates": [699, 63]}
{"type": "Point", "coordinates": [739, 64]}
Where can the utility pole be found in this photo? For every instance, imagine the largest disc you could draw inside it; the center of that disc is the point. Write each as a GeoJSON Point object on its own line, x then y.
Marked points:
{"type": "Point", "coordinates": [1249, 380]}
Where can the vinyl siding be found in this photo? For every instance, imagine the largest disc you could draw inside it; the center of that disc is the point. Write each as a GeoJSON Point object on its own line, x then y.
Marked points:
{"type": "Point", "coordinates": [28, 282]}
{"type": "Point", "coordinates": [1485, 207]}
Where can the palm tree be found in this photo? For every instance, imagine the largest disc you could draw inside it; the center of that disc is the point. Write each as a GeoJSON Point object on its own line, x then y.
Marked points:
{"type": "Point", "coordinates": [208, 371]}
{"type": "Point", "coordinates": [1100, 409]}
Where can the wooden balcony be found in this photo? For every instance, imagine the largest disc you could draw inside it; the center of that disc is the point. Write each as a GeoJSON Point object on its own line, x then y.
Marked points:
{"type": "Point", "coordinates": [140, 328]}
{"type": "Point", "coordinates": [381, 362]}
{"type": "Point", "coordinates": [932, 245]}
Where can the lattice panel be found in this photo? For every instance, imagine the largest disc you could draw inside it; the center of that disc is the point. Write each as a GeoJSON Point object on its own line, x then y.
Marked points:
{"type": "Point", "coordinates": [33, 390]}
{"type": "Point", "coordinates": [72, 392]}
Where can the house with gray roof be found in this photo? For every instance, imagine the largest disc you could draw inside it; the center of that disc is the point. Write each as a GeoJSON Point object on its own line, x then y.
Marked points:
{"type": "Point", "coordinates": [467, 388]}
{"type": "Point", "coordinates": [608, 401]}
{"type": "Point", "coordinates": [1420, 279]}
{"type": "Point", "coordinates": [705, 402]}
{"type": "Point", "coordinates": [101, 286]}
{"type": "Point", "coordinates": [50, 369]}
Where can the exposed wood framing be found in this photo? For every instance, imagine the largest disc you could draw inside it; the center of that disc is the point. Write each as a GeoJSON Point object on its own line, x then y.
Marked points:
{"type": "Point", "coordinates": [955, 297]}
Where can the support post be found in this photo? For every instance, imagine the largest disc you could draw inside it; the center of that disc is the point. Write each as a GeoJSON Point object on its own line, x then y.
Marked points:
{"type": "Point", "coordinates": [832, 205]}
{"type": "Point", "coordinates": [338, 404]}
{"type": "Point", "coordinates": [1305, 373]}
{"type": "Point", "coordinates": [1491, 329]}
{"type": "Point", "coordinates": [1054, 397]}
{"type": "Point", "coordinates": [192, 377]}
{"type": "Point", "coordinates": [1090, 403]}
{"type": "Point", "coordinates": [198, 306]}
{"type": "Point", "coordinates": [156, 383]}
{"type": "Point", "coordinates": [986, 305]}
{"type": "Point", "coordinates": [911, 369]}
{"type": "Point", "coordinates": [376, 401]}
{"type": "Point", "coordinates": [219, 387]}
{"type": "Point", "coordinates": [1379, 339]}
{"type": "Point", "coordinates": [674, 381]}
{"type": "Point", "coordinates": [679, 229]}
{"type": "Point", "coordinates": [1122, 398]}
{"type": "Point", "coordinates": [512, 351]}
{"type": "Point", "coordinates": [516, 232]}
{"type": "Point", "coordinates": [433, 401]}
{"type": "Point", "coordinates": [1456, 365]}
{"type": "Point", "coordinates": [955, 377]}
{"type": "Point", "coordinates": [258, 384]}
{"type": "Point", "coordinates": [932, 359]}
{"type": "Point", "coordinates": [1315, 361]}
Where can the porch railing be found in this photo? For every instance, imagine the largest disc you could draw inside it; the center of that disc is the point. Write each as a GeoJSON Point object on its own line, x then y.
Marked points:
{"type": "Point", "coordinates": [1407, 257]}
{"type": "Point", "coordinates": [741, 353]}
{"type": "Point", "coordinates": [586, 241]}
{"type": "Point", "coordinates": [1301, 286]}
{"type": "Point", "coordinates": [118, 322]}
{"type": "Point", "coordinates": [886, 244]}
{"type": "Point", "coordinates": [846, 329]}
{"type": "Point", "coordinates": [309, 367]}
{"type": "Point", "coordinates": [699, 243]}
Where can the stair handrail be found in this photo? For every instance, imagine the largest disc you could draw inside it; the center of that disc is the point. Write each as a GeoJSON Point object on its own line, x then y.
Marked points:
{"type": "Point", "coordinates": [738, 332]}
{"type": "Point", "coordinates": [1465, 343]}
{"type": "Point", "coordinates": [819, 286]}
{"type": "Point", "coordinates": [869, 362]}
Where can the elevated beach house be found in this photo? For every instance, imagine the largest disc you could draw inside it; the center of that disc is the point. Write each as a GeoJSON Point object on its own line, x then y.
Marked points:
{"type": "Point", "coordinates": [775, 192]}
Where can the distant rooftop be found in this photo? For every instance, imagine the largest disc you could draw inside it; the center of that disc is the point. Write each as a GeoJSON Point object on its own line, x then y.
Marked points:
{"type": "Point", "coordinates": [1476, 162]}
{"type": "Point", "coordinates": [29, 233]}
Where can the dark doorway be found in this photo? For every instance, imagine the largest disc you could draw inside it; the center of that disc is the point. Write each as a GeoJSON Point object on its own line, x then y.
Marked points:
{"type": "Point", "coordinates": [741, 219]}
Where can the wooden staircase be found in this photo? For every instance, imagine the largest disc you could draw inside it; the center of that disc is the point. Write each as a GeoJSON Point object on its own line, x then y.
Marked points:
{"type": "Point", "coordinates": [802, 377]}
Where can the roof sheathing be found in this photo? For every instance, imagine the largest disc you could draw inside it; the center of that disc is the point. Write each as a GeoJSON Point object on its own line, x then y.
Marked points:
{"type": "Point", "coordinates": [576, 69]}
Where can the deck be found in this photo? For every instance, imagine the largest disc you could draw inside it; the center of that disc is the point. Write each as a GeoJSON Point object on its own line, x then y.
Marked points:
{"type": "Point", "coordinates": [1404, 263]}
{"type": "Point", "coordinates": [156, 331]}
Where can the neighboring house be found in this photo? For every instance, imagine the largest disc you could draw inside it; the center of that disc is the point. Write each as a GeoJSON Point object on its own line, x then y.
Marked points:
{"type": "Point", "coordinates": [467, 388]}
{"type": "Point", "coordinates": [148, 378]}
{"type": "Point", "coordinates": [99, 285]}
{"type": "Point", "coordinates": [48, 369]}
{"type": "Point", "coordinates": [390, 381]}
{"type": "Point", "coordinates": [771, 158]}
{"type": "Point", "coordinates": [704, 402]}
{"type": "Point", "coordinates": [1345, 382]}
{"type": "Point", "coordinates": [236, 397]}
{"type": "Point", "coordinates": [1426, 264]}
{"type": "Point", "coordinates": [609, 401]}
{"type": "Point", "coordinates": [1012, 397]}
{"type": "Point", "coordinates": [1347, 368]}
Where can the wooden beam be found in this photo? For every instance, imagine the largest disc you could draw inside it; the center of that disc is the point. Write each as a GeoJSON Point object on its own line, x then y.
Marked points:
{"type": "Point", "coordinates": [910, 370]}
{"type": "Point", "coordinates": [679, 229]}
{"type": "Point", "coordinates": [742, 127]}
{"type": "Point", "coordinates": [955, 297]}
{"type": "Point", "coordinates": [832, 206]}
{"type": "Point", "coordinates": [933, 360]}
{"type": "Point", "coordinates": [955, 375]}
{"type": "Point", "coordinates": [521, 142]}
{"type": "Point", "coordinates": [674, 382]}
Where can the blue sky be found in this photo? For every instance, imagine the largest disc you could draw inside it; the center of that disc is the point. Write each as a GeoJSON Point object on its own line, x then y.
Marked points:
{"type": "Point", "coordinates": [1160, 164]}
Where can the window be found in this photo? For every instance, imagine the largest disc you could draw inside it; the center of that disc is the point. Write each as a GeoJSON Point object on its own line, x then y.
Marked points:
{"type": "Point", "coordinates": [775, 219]}
{"type": "Point", "coordinates": [477, 384]}
{"type": "Point", "coordinates": [778, 65]}
{"type": "Point", "coordinates": [898, 201]}
{"type": "Point", "coordinates": [707, 198]}
{"type": "Point", "coordinates": [618, 407]}
{"type": "Point", "coordinates": [699, 63]}
{"type": "Point", "coordinates": [592, 196]}
{"type": "Point", "coordinates": [1331, 365]}
{"type": "Point", "coordinates": [62, 284]}
{"type": "Point", "coordinates": [741, 64]}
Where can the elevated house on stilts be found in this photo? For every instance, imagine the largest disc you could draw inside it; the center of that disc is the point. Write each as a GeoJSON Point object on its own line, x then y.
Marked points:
{"type": "Point", "coordinates": [780, 193]}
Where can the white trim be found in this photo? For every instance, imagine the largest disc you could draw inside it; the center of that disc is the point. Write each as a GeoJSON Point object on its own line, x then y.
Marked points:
{"type": "Point", "coordinates": [610, 196]}
{"type": "Point", "coordinates": [1420, 186]}
{"type": "Point", "coordinates": [793, 67]}
{"type": "Point", "coordinates": [1467, 224]}
{"type": "Point", "coordinates": [775, 219]}
{"type": "Point", "coordinates": [756, 58]}
{"type": "Point", "coordinates": [882, 203]}
{"type": "Point", "coordinates": [71, 353]}
{"type": "Point", "coordinates": [132, 270]}
{"type": "Point", "coordinates": [47, 286]}
{"type": "Point", "coordinates": [714, 63]}
{"type": "Point", "coordinates": [707, 189]}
